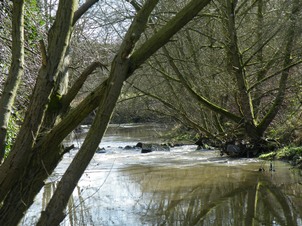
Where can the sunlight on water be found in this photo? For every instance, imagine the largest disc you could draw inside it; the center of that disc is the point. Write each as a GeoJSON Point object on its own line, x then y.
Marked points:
{"type": "Point", "coordinates": [180, 187]}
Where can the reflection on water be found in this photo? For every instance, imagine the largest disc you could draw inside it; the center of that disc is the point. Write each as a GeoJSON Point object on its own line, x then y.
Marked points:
{"type": "Point", "coordinates": [181, 187]}
{"type": "Point", "coordinates": [217, 195]}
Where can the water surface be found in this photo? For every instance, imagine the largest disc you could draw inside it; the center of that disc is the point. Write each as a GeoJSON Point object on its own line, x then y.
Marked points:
{"type": "Point", "coordinates": [180, 187]}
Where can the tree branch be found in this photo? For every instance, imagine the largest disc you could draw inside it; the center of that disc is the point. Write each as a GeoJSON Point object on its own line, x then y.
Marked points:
{"type": "Point", "coordinates": [163, 35]}
{"type": "Point", "coordinates": [268, 118]}
{"type": "Point", "coordinates": [83, 9]}
{"type": "Point", "coordinates": [73, 91]}
{"type": "Point", "coordinates": [43, 52]}
{"type": "Point", "coordinates": [198, 97]}
{"type": "Point", "coordinates": [183, 115]}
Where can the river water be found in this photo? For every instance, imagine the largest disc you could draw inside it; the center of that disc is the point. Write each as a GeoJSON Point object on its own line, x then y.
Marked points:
{"type": "Point", "coordinates": [180, 187]}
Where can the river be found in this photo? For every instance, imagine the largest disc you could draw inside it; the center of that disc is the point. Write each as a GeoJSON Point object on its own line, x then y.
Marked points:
{"type": "Point", "coordinates": [180, 187]}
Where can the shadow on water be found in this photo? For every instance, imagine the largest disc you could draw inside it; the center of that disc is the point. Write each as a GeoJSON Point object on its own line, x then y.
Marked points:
{"type": "Point", "coordinates": [180, 187]}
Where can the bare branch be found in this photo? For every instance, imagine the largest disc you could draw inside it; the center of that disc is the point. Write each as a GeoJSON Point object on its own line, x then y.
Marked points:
{"type": "Point", "coordinates": [69, 97]}
{"type": "Point", "coordinates": [160, 38]}
{"type": "Point", "coordinates": [83, 9]}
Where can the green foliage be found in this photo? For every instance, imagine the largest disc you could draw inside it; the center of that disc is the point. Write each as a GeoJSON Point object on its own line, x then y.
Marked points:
{"type": "Point", "coordinates": [268, 156]}
{"type": "Point", "coordinates": [12, 131]}
{"type": "Point", "coordinates": [286, 153]}
{"type": "Point", "coordinates": [33, 22]}
{"type": "Point", "coordinates": [289, 152]}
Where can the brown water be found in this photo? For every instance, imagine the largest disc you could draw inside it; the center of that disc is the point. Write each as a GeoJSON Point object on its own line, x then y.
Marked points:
{"type": "Point", "coordinates": [180, 187]}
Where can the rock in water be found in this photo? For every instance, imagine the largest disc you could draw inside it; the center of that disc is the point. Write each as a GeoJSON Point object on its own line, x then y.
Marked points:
{"type": "Point", "coordinates": [146, 147]}
{"type": "Point", "coordinates": [233, 150]}
{"type": "Point", "coordinates": [100, 150]}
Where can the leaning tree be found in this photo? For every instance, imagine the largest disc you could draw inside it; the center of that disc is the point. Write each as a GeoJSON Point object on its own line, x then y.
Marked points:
{"type": "Point", "coordinates": [49, 119]}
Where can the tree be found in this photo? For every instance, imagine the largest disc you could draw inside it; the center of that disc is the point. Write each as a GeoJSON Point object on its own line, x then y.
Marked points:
{"type": "Point", "coordinates": [38, 147]}
{"type": "Point", "coordinates": [16, 71]}
{"type": "Point", "coordinates": [233, 81]}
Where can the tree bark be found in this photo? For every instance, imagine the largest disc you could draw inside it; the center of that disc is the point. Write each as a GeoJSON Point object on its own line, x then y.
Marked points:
{"type": "Point", "coordinates": [46, 151]}
{"type": "Point", "coordinates": [54, 212]}
{"type": "Point", "coordinates": [73, 91]}
{"type": "Point", "coordinates": [24, 186]}
{"type": "Point", "coordinates": [236, 68]}
{"type": "Point", "coordinates": [15, 74]}
{"type": "Point", "coordinates": [13, 168]}
{"type": "Point", "coordinates": [260, 58]}
{"type": "Point", "coordinates": [120, 71]}
{"type": "Point", "coordinates": [45, 156]}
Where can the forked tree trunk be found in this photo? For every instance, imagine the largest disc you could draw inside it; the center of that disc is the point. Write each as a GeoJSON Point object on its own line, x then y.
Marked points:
{"type": "Point", "coordinates": [43, 160]}
{"type": "Point", "coordinates": [13, 170]}
{"type": "Point", "coordinates": [54, 212]}
{"type": "Point", "coordinates": [237, 70]}
{"type": "Point", "coordinates": [254, 129]}
{"type": "Point", "coordinates": [23, 181]}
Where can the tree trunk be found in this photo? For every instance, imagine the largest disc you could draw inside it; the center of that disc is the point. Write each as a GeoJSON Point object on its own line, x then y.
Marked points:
{"type": "Point", "coordinates": [54, 212]}
{"type": "Point", "coordinates": [16, 72]}
{"type": "Point", "coordinates": [260, 58]}
{"type": "Point", "coordinates": [54, 107]}
{"type": "Point", "coordinates": [236, 68]}
{"type": "Point", "coordinates": [14, 166]}
{"type": "Point", "coordinates": [45, 156]}
{"type": "Point", "coordinates": [22, 180]}
{"type": "Point", "coordinates": [290, 38]}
